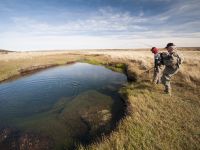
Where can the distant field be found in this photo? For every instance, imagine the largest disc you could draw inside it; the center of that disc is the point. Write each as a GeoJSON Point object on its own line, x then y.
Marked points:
{"type": "Point", "coordinates": [4, 51]}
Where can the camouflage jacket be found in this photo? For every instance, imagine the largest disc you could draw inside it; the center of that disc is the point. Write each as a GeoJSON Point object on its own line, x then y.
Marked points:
{"type": "Point", "coordinates": [172, 60]}
{"type": "Point", "coordinates": [157, 60]}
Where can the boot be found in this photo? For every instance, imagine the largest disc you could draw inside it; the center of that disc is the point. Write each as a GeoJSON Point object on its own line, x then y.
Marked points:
{"type": "Point", "coordinates": [168, 91]}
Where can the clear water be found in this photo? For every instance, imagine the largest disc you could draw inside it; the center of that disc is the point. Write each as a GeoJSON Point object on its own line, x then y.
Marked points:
{"type": "Point", "coordinates": [27, 101]}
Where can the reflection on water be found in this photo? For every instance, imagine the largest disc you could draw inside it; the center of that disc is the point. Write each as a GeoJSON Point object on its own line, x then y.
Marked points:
{"type": "Point", "coordinates": [65, 102]}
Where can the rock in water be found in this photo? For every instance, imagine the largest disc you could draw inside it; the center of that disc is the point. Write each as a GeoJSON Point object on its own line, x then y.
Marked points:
{"type": "Point", "coordinates": [12, 139]}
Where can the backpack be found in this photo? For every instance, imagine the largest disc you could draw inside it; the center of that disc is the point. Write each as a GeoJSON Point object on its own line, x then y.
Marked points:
{"type": "Point", "coordinates": [179, 60]}
{"type": "Point", "coordinates": [165, 58]}
{"type": "Point", "coordinates": [163, 55]}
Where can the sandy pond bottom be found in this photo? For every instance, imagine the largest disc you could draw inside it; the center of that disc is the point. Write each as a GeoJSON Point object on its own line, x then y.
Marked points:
{"type": "Point", "coordinates": [58, 107]}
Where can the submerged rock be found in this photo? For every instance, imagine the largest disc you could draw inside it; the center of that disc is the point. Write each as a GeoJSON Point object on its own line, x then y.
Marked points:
{"type": "Point", "coordinates": [12, 139]}
{"type": "Point", "coordinates": [72, 120]}
{"type": "Point", "coordinates": [92, 109]}
{"type": "Point", "coordinates": [97, 121]}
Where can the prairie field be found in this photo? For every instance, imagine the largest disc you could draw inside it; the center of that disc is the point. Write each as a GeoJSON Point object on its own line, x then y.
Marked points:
{"type": "Point", "coordinates": [154, 120]}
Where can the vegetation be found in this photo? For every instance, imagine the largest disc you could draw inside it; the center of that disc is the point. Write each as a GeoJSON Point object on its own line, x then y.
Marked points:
{"type": "Point", "coordinates": [154, 120]}
{"type": "Point", "coordinates": [4, 51]}
{"type": "Point", "coordinates": [112, 65]}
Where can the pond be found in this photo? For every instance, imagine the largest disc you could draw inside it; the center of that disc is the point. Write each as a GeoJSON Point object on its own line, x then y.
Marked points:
{"type": "Point", "coordinates": [62, 106]}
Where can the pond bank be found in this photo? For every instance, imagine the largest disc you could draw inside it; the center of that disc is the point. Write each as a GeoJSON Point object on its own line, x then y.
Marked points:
{"type": "Point", "coordinates": [87, 118]}
{"type": "Point", "coordinates": [155, 120]}
{"type": "Point", "coordinates": [115, 65]}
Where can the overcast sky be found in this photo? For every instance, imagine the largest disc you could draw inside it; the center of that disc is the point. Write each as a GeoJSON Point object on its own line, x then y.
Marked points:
{"type": "Point", "coordinates": [88, 24]}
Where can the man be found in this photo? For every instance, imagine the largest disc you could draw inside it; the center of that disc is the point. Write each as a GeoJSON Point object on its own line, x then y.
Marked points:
{"type": "Point", "coordinates": [172, 62]}
{"type": "Point", "coordinates": [157, 65]}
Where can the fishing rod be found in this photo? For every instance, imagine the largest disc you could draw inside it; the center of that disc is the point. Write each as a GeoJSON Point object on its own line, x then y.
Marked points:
{"type": "Point", "coordinates": [147, 71]}
{"type": "Point", "coordinates": [148, 45]}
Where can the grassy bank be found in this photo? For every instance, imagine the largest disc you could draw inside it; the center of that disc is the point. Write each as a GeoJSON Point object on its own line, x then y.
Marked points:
{"type": "Point", "coordinates": [155, 120]}
{"type": "Point", "coordinates": [12, 68]}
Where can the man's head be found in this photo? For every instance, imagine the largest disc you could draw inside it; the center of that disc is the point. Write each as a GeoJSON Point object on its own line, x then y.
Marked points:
{"type": "Point", "coordinates": [154, 50]}
{"type": "Point", "coordinates": [170, 47]}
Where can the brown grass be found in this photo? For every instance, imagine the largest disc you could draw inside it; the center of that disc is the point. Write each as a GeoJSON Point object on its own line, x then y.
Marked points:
{"type": "Point", "coordinates": [12, 63]}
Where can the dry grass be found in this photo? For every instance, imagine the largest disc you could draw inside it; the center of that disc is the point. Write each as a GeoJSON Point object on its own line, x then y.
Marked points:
{"type": "Point", "coordinates": [190, 70]}
{"type": "Point", "coordinates": [156, 121]}
{"type": "Point", "coordinates": [12, 63]}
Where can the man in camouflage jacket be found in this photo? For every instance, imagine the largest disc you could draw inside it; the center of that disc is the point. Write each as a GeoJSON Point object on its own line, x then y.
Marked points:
{"type": "Point", "coordinates": [172, 62]}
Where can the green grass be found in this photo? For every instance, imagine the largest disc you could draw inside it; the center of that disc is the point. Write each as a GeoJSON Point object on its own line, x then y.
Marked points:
{"type": "Point", "coordinates": [92, 61]}
{"type": "Point", "coordinates": [115, 66]}
{"type": "Point", "coordinates": [156, 121]}
{"type": "Point", "coordinates": [118, 67]}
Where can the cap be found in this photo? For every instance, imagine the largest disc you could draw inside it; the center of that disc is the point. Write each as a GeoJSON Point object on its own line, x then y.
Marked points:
{"type": "Point", "coordinates": [154, 50]}
{"type": "Point", "coordinates": [170, 44]}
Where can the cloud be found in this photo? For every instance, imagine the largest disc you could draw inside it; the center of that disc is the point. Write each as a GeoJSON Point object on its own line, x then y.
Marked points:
{"type": "Point", "coordinates": [26, 42]}
{"type": "Point", "coordinates": [107, 27]}
{"type": "Point", "coordinates": [105, 20]}
{"type": "Point", "coordinates": [109, 21]}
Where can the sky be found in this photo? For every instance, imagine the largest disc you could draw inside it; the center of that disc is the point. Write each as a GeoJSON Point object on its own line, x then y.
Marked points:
{"type": "Point", "coordinates": [98, 24]}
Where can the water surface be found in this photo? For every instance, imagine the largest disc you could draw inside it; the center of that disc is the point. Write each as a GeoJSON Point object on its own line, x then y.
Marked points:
{"type": "Point", "coordinates": [66, 102]}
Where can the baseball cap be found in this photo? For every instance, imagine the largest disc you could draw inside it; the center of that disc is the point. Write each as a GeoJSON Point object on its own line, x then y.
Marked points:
{"type": "Point", "coordinates": [170, 44]}
{"type": "Point", "coordinates": [154, 50]}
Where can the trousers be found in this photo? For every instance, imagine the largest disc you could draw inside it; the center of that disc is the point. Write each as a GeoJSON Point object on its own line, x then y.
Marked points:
{"type": "Point", "coordinates": [168, 73]}
{"type": "Point", "coordinates": [157, 75]}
